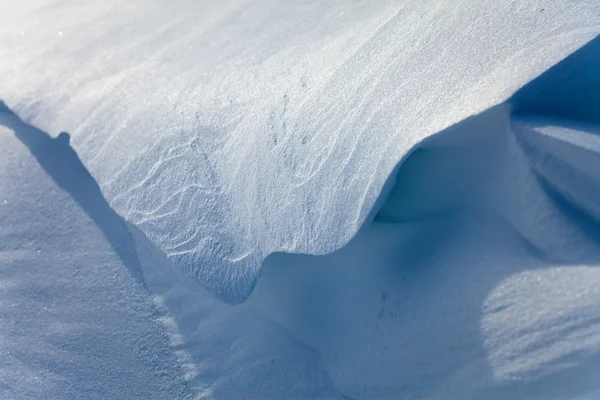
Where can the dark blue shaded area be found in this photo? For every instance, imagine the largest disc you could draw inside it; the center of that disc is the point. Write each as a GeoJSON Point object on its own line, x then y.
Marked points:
{"type": "Point", "coordinates": [570, 89]}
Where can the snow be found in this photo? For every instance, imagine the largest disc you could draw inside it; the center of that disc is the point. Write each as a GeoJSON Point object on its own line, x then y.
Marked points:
{"type": "Point", "coordinates": [78, 317]}
{"type": "Point", "coordinates": [230, 146]}
{"type": "Point", "coordinates": [478, 277]}
{"type": "Point", "coordinates": [436, 319]}
{"type": "Point", "coordinates": [364, 200]}
{"type": "Point", "coordinates": [75, 323]}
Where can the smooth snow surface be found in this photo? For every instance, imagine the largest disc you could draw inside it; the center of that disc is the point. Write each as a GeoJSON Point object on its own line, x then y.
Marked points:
{"type": "Point", "coordinates": [230, 130]}
{"type": "Point", "coordinates": [404, 195]}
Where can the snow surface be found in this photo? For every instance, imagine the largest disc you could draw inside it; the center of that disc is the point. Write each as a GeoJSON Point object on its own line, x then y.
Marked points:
{"type": "Point", "coordinates": [75, 324]}
{"type": "Point", "coordinates": [257, 128]}
{"type": "Point", "coordinates": [436, 163]}
{"type": "Point", "coordinates": [78, 318]}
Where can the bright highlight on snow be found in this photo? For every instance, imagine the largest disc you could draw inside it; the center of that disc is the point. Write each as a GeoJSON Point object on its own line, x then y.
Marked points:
{"type": "Point", "coordinates": [292, 200]}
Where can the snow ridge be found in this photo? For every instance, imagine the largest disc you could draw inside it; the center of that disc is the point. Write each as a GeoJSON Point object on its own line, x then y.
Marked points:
{"type": "Point", "coordinates": [347, 181]}
{"type": "Point", "coordinates": [229, 149]}
{"type": "Point", "coordinates": [490, 235]}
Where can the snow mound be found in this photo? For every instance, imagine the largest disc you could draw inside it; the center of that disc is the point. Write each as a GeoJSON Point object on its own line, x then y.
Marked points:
{"type": "Point", "coordinates": [75, 321]}
{"type": "Point", "coordinates": [447, 200]}
{"type": "Point", "coordinates": [268, 127]}
{"type": "Point", "coordinates": [478, 276]}
{"type": "Point", "coordinates": [91, 308]}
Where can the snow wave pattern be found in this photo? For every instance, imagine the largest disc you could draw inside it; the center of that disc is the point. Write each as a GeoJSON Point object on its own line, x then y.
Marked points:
{"type": "Point", "coordinates": [235, 130]}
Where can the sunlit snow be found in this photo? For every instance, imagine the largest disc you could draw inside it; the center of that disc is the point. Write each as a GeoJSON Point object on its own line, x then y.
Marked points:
{"type": "Point", "coordinates": [293, 200]}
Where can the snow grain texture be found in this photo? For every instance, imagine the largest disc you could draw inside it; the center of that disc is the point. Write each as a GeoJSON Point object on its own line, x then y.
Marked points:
{"type": "Point", "coordinates": [230, 146]}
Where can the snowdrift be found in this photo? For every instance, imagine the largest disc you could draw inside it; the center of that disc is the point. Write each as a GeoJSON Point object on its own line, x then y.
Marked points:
{"type": "Point", "coordinates": [403, 196]}
{"type": "Point", "coordinates": [231, 131]}
{"type": "Point", "coordinates": [478, 276]}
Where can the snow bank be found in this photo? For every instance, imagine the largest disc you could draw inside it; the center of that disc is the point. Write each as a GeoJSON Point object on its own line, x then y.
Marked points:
{"type": "Point", "coordinates": [91, 308]}
{"type": "Point", "coordinates": [478, 277]}
{"type": "Point", "coordinates": [228, 131]}
{"type": "Point", "coordinates": [75, 322]}
{"type": "Point", "coordinates": [458, 192]}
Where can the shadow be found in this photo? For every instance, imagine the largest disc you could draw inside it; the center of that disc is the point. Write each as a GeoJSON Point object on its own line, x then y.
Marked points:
{"type": "Point", "coordinates": [60, 161]}
{"type": "Point", "coordinates": [208, 335]}
{"type": "Point", "coordinates": [420, 285]}
{"type": "Point", "coordinates": [570, 89]}
{"type": "Point", "coordinates": [398, 319]}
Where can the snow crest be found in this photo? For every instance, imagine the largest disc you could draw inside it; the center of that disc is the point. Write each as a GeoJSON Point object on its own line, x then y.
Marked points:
{"type": "Point", "coordinates": [272, 127]}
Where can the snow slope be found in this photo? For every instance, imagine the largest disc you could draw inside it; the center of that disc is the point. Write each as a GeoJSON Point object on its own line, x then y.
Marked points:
{"type": "Point", "coordinates": [75, 323]}
{"type": "Point", "coordinates": [478, 277]}
{"type": "Point", "coordinates": [488, 299]}
{"type": "Point", "coordinates": [85, 315]}
{"type": "Point", "coordinates": [236, 115]}
{"type": "Point", "coordinates": [444, 150]}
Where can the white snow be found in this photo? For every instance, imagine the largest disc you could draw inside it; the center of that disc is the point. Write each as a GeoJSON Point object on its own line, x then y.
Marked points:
{"type": "Point", "coordinates": [286, 199]}
{"type": "Point", "coordinates": [76, 323]}
{"type": "Point", "coordinates": [491, 294]}
{"type": "Point", "coordinates": [236, 116]}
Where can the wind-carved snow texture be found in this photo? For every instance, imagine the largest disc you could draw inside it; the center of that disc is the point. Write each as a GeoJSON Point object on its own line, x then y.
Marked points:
{"type": "Point", "coordinates": [234, 130]}
{"type": "Point", "coordinates": [76, 320]}
{"type": "Point", "coordinates": [465, 218]}
{"type": "Point", "coordinates": [478, 277]}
